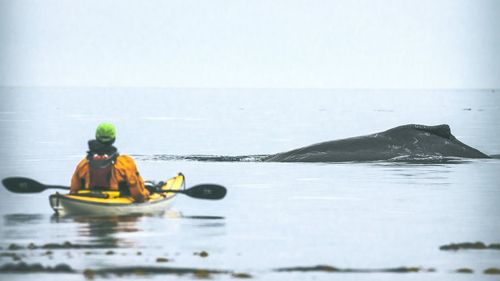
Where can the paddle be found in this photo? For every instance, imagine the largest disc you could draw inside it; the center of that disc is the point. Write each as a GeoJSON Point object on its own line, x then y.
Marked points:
{"type": "Point", "coordinates": [26, 185]}
{"type": "Point", "coordinates": [203, 191]}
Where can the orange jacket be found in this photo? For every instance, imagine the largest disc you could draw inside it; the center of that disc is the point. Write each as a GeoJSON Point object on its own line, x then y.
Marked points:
{"type": "Point", "coordinates": [124, 170]}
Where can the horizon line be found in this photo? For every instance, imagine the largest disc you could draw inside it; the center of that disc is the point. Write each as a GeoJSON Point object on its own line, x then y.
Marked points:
{"type": "Point", "coordinates": [253, 88]}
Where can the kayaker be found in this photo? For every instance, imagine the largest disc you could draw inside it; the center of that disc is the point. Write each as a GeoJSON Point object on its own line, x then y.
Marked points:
{"type": "Point", "coordinates": [105, 169]}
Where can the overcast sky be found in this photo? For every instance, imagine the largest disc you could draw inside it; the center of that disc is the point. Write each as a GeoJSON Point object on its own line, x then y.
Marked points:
{"type": "Point", "coordinates": [235, 43]}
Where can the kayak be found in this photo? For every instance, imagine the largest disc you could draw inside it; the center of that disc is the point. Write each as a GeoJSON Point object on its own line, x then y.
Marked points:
{"type": "Point", "coordinates": [104, 203]}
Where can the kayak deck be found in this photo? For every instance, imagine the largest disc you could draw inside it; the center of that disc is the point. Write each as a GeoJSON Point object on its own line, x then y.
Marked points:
{"type": "Point", "coordinates": [91, 202]}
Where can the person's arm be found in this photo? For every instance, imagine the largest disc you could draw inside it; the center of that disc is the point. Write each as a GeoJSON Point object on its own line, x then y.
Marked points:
{"type": "Point", "coordinates": [134, 180]}
{"type": "Point", "coordinates": [137, 189]}
{"type": "Point", "coordinates": [79, 177]}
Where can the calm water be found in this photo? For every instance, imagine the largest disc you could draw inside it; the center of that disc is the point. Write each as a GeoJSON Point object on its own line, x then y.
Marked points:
{"type": "Point", "coordinates": [276, 215]}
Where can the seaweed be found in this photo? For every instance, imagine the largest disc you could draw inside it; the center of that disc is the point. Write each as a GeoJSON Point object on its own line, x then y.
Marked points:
{"type": "Point", "coordinates": [327, 268]}
{"type": "Point", "coordinates": [469, 246]}
{"type": "Point", "coordinates": [23, 267]}
{"type": "Point", "coordinates": [464, 270]}
{"type": "Point", "coordinates": [202, 254]}
{"type": "Point", "coordinates": [492, 270]}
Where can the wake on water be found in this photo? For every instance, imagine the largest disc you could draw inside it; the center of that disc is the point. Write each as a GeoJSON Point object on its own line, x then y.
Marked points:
{"type": "Point", "coordinates": [409, 159]}
{"type": "Point", "coordinates": [201, 158]}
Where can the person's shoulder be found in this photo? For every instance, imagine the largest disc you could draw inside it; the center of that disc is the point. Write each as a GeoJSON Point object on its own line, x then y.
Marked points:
{"type": "Point", "coordinates": [82, 164]}
{"type": "Point", "coordinates": [124, 159]}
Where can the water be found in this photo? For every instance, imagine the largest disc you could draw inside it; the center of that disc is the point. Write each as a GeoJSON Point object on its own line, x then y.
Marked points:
{"type": "Point", "coordinates": [377, 215]}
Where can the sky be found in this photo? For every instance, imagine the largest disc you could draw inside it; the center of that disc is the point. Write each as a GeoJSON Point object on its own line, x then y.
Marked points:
{"type": "Point", "coordinates": [404, 44]}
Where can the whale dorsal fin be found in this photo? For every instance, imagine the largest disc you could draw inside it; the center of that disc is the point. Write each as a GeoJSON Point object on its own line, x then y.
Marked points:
{"type": "Point", "coordinates": [439, 130]}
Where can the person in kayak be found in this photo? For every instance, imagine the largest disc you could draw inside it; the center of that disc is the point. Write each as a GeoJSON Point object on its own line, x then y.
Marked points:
{"type": "Point", "coordinates": [105, 169]}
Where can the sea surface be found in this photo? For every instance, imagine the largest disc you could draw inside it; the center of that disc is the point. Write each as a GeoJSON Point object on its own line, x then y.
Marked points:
{"type": "Point", "coordinates": [279, 221]}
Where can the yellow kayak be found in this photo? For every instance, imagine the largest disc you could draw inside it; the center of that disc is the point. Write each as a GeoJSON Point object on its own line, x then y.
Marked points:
{"type": "Point", "coordinates": [90, 202]}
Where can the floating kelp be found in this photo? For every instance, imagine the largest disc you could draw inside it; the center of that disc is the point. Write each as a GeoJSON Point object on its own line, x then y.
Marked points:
{"type": "Point", "coordinates": [319, 268]}
{"type": "Point", "coordinates": [36, 267]}
{"type": "Point", "coordinates": [492, 270]}
{"type": "Point", "coordinates": [15, 247]}
{"type": "Point", "coordinates": [327, 268]}
{"type": "Point", "coordinates": [202, 254]}
{"type": "Point", "coordinates": [203, 273]}
{"type": "Point", "coordinates": [69, 245]}
{"type": "Point", "coordinates": [241, 275]}
{"type": "Point", "coordinates": [55, 246]}
{"type": "Point", "coordinates": [469, 246]}
{"type": "Point", "coordinates": [14, 256]}
{"type": "Point", "coordinates": [147, 270]}
{"type": "Point", "coordinates": [464, 270]}
{"type": "Point", "coordinates": [119, 271]}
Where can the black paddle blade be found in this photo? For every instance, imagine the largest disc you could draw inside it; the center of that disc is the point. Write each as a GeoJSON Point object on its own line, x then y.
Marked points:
{"type": "Point", "coordinates": [22, 185]}
{"type": "Point", "coordinates": [206, 191]}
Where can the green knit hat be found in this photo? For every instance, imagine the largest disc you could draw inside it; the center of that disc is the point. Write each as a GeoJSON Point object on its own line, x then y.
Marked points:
{"type": "Point", "coordinates": [105, 133]}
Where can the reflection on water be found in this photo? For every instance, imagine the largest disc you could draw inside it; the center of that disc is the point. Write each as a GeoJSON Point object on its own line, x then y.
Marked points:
{"type": "Point", "coordinates": [207, 221]}
{"type": "Point", "coordinates": [21, 226]}
{"type": "Point", "coordinates": [106, 231]}
{"type": "Point", "coordinates": [12, 220]}
{"type": "Point", "coordinates": [103, 231]}
{"type": "Point", "coordinates": [119, 231]}
{"type": "Point", "coordinates": [203, 217]}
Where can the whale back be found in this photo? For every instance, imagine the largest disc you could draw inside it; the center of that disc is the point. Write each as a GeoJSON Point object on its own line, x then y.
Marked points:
{"type": "Point", "coordinates": [408, 141]}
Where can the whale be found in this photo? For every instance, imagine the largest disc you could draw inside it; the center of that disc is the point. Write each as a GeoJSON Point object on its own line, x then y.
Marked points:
{"type": "Point", "coordinates": [407, 142]}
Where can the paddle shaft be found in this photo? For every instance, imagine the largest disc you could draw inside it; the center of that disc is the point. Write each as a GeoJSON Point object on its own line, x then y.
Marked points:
{"type": "Point", "coordinates": [26, 185]}
{"type": "Point", "coordinates": [57, 187]}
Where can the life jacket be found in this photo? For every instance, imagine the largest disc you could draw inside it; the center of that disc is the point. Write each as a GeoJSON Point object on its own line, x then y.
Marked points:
{"type": "Point", "coordinates": [101, 159]}
{"type": "Point", "coordinates": [125, 177]}
{"type": "Point", "coordinates": [100, 170]}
